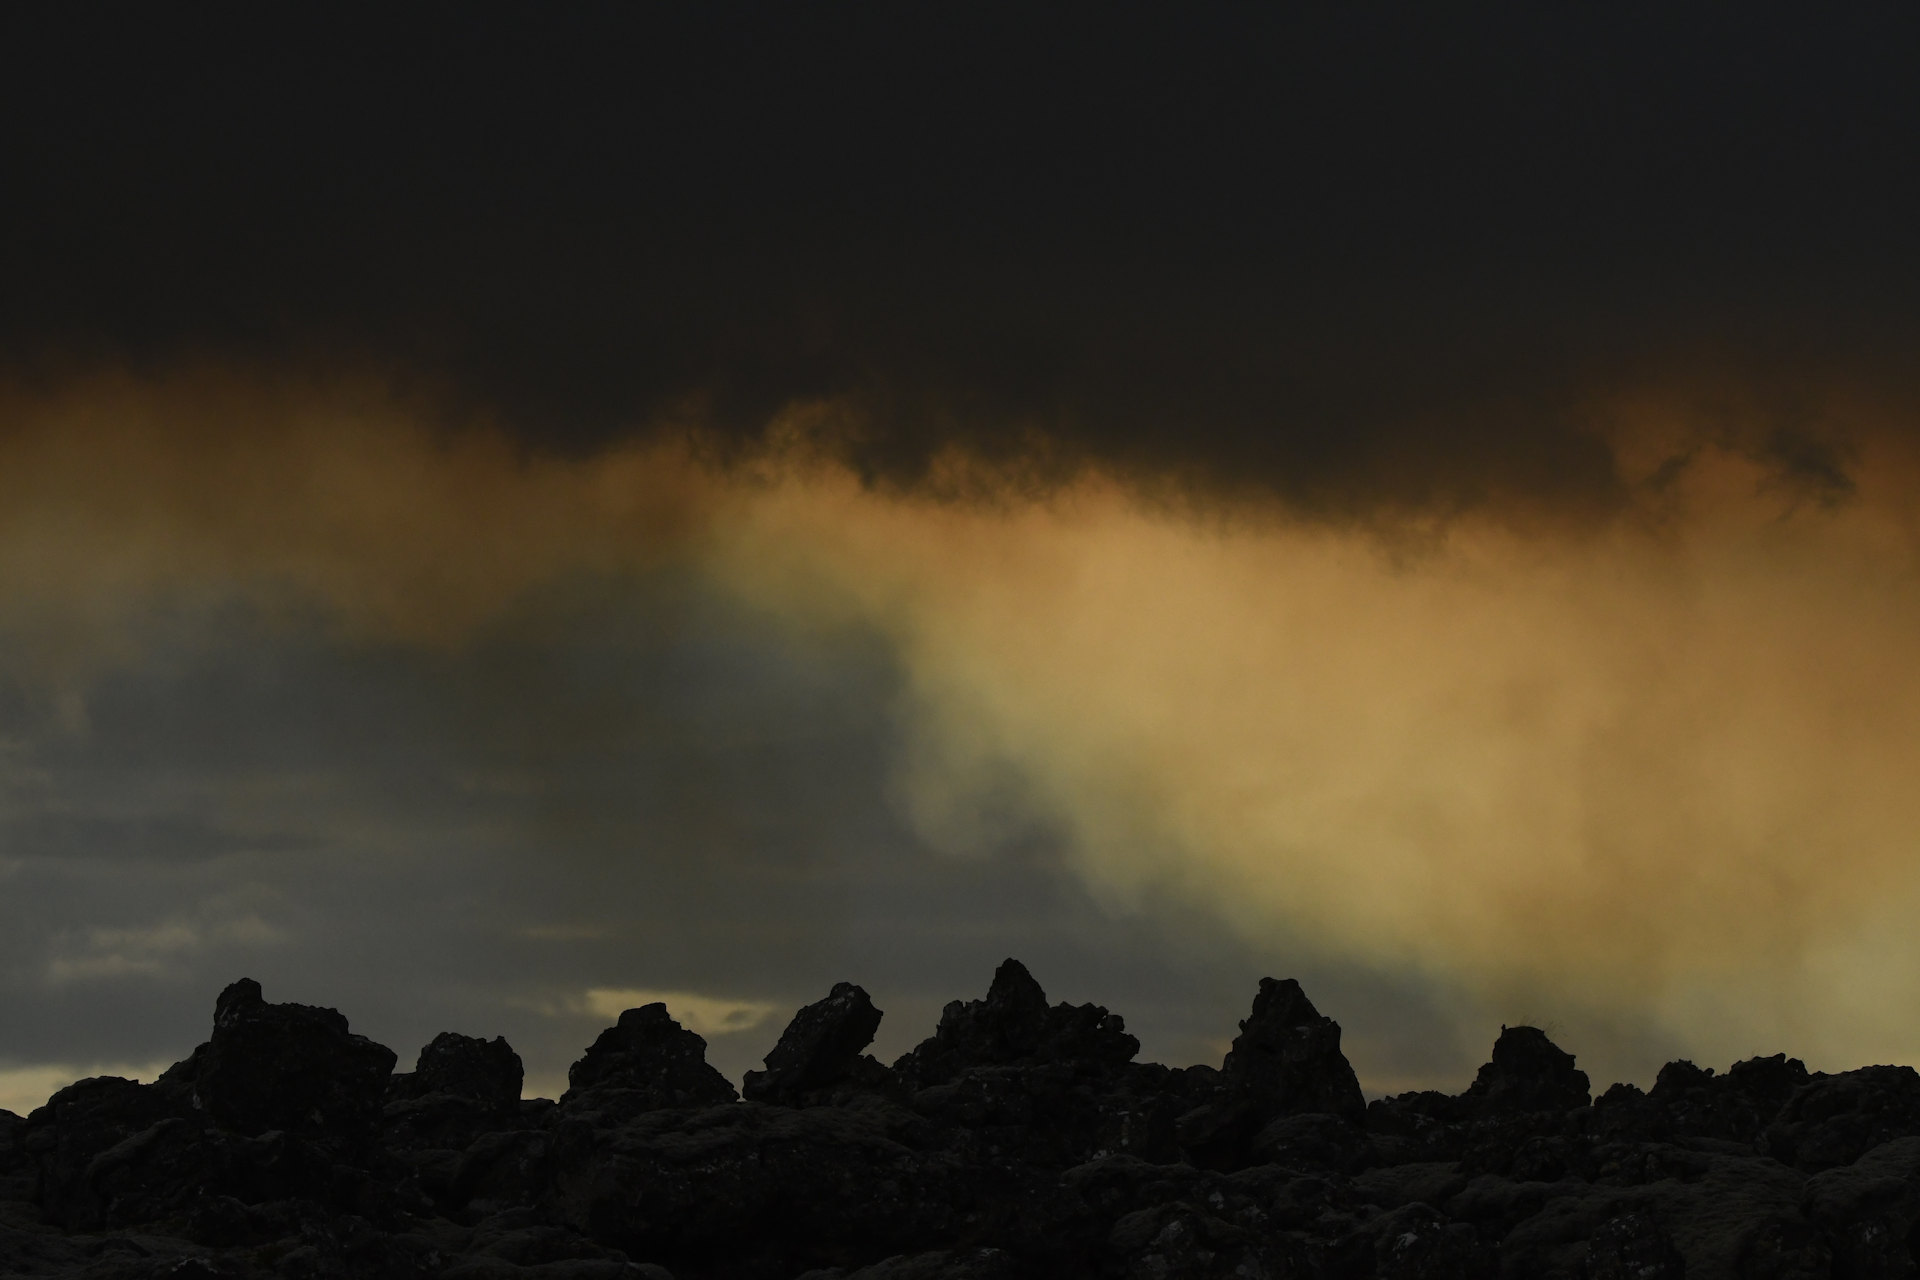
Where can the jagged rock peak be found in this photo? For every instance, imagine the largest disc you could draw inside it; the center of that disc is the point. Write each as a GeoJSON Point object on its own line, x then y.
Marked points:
{"type": "Point", "coordinates": [820, 1048]}
{"type": "Point", "coordinates": [650, 1054]}
{"type": "Point", "coordinates": [1013, 1024]}
{"type": "Point", "coordinates": [1279, 1007]}
{"type": "Point", "coordinates": [1004, 1026]}
{"type": "Point", "coordinates": [239, 1000]}
{"type": "Point", "coordinates": [1528, 1072]}
{"type": "Point", "coordinates": [1287, 1057]}
{"type": "Point", "coordinates": [1015, 990]}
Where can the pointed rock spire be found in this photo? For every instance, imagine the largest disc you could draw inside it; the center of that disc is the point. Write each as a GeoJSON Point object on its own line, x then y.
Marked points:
{"type": "Point", "coordinates": [1288, 1058]}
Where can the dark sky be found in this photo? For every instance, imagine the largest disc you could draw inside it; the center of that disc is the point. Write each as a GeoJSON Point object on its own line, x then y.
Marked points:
{"type": "Point", "coordinates": [1324, 248]}
{"type": "Point", "coordinates": [506, 510]}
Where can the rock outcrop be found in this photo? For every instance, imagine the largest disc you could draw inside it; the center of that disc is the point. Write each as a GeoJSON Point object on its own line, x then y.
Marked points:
{"type": "Point", "coordinates": [820, 1050]}
{"type": "Point", "coordinates": [1527, 1073]}
{"type": "Point", "coordinates": [1015, 1025]}
{"type": "Point", "coordinates": [486, 1072]}
{"type": "Point", "coordinates": [1287, 1060]}
{"type": "Point", "coordinates": [287, 1067]}
{"type": "Point", "coordinates": [651, 1062]}
{"type": "Point", "coordinates": [1021, 1140]}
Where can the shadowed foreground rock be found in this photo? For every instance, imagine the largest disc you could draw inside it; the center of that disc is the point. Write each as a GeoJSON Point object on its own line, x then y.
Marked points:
{"type": "Point", "coordinates": [1019, 1141]}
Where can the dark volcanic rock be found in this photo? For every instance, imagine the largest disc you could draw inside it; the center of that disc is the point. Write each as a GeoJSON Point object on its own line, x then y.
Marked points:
{"type": "Point", "coordinates": [768, 1190]}
{"type": "Point", "coordinates": [76, 1125]}
{"type": "Point", "coordinates": [1287, 1060]}
{"type": "Point", "coordinates": [289, 1067]}
{"type": "Point", "coordinates": [1834, 1120]}
{"type": "Point", "coordinates": [1047, 1085]}
{"type": "Point", "coordinates": [174, 1167]}
{"type": "Point", "coordinates": [14, 1159]}
{"type": "Point", "coordinates": [1182, 1239]}
{"type": "Point", "coordinates": [1528, 1072]}
{"type": "Point", "coordinates": [1870, 1210]}
{"type": "Point", "coordinates": [1633, 1246]}
{"type": "Point", "coordinates": [1013, 1025]}
{"type": "Point", "coordinates": [463, 1091]}
{"type": "Point", "coordinates": [113, 1152]}
{"type": "Point", "coordinates": [487, 1072]}
{"type": "Point", "coordinates": [1416, 1242]}
{"type": "Point", "coordinates": [1314, 1140]}
{"type": "Point", "coordinates": [1020, 1141]}
{"type": "Point", "coordinates": [819, 1049]}
{"type": "Point", "coordinates": [1693, 1102]}
{"type": "Point", "coordinates": [653, 1059]}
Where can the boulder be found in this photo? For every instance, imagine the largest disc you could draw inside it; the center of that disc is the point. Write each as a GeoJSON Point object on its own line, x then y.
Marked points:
{"type": "Point", "coordinates": [654, 1060]}
{"type": "Point", "coordinates": [1870, 1210]}
{"type": "Point", "coordinates": [487, 1072]}
{"type": "Point", "coordinates": [290, 1067]}
{"type": "Point", "coordinates": [820, 1048]}
{"type": "Point", "coordinates": [1528, 1072]}
{"type": "Point", "coordinates": [1834, 1120]}
{"type": "Point", "coordinates": [75, 1126]}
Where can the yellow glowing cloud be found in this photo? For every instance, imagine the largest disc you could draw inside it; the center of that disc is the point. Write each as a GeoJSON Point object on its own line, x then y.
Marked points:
{"type": "Point", "coordinates": [1660, 764]}
{"type": "Point", "coordinates": [22, 1089]}
{"type": "Point", "coordinates": [117, 491]}
{"type": "Point", "coordinates": [708, 1015]}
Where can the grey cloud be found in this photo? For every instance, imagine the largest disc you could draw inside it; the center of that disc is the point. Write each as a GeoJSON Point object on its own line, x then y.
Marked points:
{"type": "Point", "coordinates": [627, 784]}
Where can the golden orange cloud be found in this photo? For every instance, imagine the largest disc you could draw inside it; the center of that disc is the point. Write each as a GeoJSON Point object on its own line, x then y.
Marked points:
{"type": "Point", "coordinates": [1654, 765]}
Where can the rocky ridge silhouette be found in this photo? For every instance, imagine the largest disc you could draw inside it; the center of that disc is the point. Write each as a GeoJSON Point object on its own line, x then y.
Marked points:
{"type": "Point", "coordinates": [1020, 1140]}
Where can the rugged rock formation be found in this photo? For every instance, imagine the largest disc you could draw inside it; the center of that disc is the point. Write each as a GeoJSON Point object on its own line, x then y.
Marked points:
{"type": "Point", "coordinates": [820, 1050]}
{"type": "Point", "coordinates": [486, 1072]}
{"type": "Point", "coordinates": [1285, 1084]}
{"type": "Point", "coordinates": [647, 1061]}
{"type": "Point", "coordinates": [1014, 1025]}
{"type": "Point", "coordinates": [286, 1067]}
{"type": "Point", "coordinates": [1527, 1073]}
{"type": "Point", "coordinates": [1020, 1141]}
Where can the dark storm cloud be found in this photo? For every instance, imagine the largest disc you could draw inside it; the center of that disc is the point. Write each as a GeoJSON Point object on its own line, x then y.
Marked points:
{"type": "Point", "coordinates": [1345, 255]}
{"type": "Point", "coordinates": [463, 753]}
